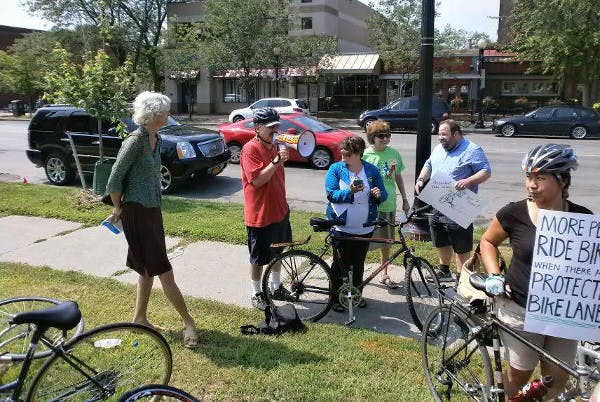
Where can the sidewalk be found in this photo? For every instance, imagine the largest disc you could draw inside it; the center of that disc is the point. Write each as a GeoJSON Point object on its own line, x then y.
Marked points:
{"type": "Point", "coordinates": [209, 270]}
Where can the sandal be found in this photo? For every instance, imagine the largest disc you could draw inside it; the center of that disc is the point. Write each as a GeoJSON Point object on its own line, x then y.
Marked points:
{"type": "Point", "coordinates": [387, 281]}
{"type": "Point", "coordinates": [190, 338]}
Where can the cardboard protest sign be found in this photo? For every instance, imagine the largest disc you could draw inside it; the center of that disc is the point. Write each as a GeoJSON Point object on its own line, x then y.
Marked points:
{"type": "Point", "coordinates": [462, 206]}
{"type": "Point", "coordinates": [564, 286]}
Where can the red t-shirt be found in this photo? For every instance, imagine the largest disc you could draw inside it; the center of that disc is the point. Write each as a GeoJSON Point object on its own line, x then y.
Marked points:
{"type": "Point", "coordinates": [266, 204]}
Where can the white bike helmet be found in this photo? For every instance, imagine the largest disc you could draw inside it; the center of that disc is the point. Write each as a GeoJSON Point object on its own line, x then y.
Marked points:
{"type": "Point", "coordinates": [550, 158]}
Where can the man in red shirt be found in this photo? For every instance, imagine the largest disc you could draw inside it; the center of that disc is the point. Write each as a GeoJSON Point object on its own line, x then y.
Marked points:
{"type": "Point", "coordinates": [266, 211]}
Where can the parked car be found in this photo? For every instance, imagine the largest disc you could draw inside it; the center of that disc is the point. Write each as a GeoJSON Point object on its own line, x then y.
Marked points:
{"type": "Point", "coordinates": [282, 105]}
{"type": "Point", "coordinates": [575, 121]}
{"type": "Point", "coordinates": [186, 151]}
{"type": "Point", "coordinates": [402, 114]}
{"type": "Point", "coordinates": [328, 138]}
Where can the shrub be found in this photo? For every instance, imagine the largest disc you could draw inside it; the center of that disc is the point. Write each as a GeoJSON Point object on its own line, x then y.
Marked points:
{"type": "Point", "coordinates": [489, 101]}
{"type": "Point", "coordinates": [556, 101]}
{"type": "Point", "coordinates": [522, 101]}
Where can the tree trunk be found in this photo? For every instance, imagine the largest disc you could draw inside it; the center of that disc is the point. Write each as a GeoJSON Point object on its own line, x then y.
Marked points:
{"type": "Point", "coordinates": [100, 147]}
{"type": "Point", "coordinates": [586, 89]}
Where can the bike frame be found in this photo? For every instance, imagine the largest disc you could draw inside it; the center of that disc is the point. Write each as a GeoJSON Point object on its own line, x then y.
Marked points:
{"type": "Point", "coordinates": [493, 325]}
{"type": "Point", "coordinates": [16, 386]}
{"type": "Point", "coordinates": [380, 240]}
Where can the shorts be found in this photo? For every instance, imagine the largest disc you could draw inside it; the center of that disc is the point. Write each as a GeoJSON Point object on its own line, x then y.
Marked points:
{"type": "Point", "coordinates": [387, 232]}
{"type": "Point", "coordinates": [445, 232]}
{"type": "Point", "coordinates": [516, 353]}
{"type": "Point", "coordinates": [260, 240]}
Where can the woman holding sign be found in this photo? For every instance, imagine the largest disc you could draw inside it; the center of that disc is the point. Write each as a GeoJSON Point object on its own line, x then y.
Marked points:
{"type": "Point", "coordinates": [547, 179]}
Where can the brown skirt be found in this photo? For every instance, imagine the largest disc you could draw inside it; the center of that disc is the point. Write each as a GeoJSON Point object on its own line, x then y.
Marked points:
{"type": "Point", "coordinates": [143, 228]}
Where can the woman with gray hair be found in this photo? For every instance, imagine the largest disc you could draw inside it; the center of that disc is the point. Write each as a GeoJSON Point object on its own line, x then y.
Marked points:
{"type": "Point", "coordinates": [134, 188]}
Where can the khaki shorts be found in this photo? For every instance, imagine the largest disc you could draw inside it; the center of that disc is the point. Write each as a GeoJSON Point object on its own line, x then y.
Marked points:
{"type": "Point", "coordinates": [516, 353]}
{"type": "Point", "coordinates": [387, 232]}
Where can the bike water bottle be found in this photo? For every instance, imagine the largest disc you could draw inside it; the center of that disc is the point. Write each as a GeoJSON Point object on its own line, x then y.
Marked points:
{"type": "Point", "coordinates": [533, 391]}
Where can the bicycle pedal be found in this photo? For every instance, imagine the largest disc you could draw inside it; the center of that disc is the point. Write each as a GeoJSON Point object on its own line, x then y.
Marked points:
{"type": "Point", "coordinates": [443, 381]}
{"type": "Point", "coordinates": [350, 321]}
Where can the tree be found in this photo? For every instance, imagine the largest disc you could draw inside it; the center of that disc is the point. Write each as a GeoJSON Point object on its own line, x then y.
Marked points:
{"type": "Point", "coordinates": [22, 67]}
{"type": "Point", "coordinates": [132, 29]}
{"type": "Point", "coordinates": [395, 32]}
{"type": "Point", "coordinates": [97, 86]}
{"type": "Point", "coordinates": [562, 37]}
{"type": "Point", "coordinates": [244, 35]}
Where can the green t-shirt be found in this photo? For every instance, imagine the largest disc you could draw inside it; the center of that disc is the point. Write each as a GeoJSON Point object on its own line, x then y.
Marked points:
{"type": "Point", "coordinates": [389, 162]}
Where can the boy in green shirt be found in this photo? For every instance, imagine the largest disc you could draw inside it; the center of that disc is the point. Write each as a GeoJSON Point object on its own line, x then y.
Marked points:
{"type": "Point", "coordinates": [390, 165]}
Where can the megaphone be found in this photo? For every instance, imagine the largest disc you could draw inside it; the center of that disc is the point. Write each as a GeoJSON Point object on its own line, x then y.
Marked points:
{"type": "Point", "coordinates": [303, 143]}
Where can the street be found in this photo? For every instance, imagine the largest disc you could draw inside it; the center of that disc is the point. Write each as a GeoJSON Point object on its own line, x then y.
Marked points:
{"type": "Point", "coordinates": [305, 186]}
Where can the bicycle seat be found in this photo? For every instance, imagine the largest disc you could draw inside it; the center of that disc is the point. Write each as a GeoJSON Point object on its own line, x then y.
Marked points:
{"type": "Point", "coordinates": [477, 280]}
{"type": "Point", "coordinates": [322, 224]}
{"type": "Point", "coordinates": [63, 316]}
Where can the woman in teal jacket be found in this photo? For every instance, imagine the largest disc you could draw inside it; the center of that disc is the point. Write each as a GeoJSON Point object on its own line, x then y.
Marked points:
{"type": "Point", "coordinates": [354, 190]}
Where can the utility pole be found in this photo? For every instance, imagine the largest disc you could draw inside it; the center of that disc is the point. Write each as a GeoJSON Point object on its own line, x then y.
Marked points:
{"type": "Point", "coordinates": [420, 227]}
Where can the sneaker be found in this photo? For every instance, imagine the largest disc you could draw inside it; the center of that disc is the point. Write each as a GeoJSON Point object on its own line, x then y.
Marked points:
{"type": "Point", "coordinates": [259, 302]}
{"type": "Point", "coordinates": [281, 293]}
{"type": "Point", "coordinates": [443, 276]}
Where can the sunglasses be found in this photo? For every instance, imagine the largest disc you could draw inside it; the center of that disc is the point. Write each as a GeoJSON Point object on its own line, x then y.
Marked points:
{"type": "Point", "coordinates": [383, 136]}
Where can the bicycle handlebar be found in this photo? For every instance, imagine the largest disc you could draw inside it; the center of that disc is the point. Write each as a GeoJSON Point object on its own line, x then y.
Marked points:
{"type": "Point", "coordinates": [383, 222]}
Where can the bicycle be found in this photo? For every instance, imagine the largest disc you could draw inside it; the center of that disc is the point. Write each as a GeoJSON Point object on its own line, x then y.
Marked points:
{"type": "Point", "coordinates": [307, 276]}
{"type": "Point", "coordinates": [455, 341]}
{"type": "Point", "coordinates": [156, 393]}
{"type": "Point", "coordinates": [96, 365]}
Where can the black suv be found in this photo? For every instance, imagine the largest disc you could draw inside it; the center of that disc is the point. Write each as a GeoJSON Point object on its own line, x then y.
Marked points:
{"type": "Point", "coordinates": [402, 114]}
{"type": "Point", "coordinates": [186, 151]}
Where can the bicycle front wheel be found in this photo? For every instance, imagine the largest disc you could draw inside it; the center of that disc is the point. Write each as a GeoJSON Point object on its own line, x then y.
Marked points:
{"type": "Point", "coordinates": [104, 363]}
{"type": "Point", "coordinates": [15, 339]}
{"type": "Point", "coordinates": [454, 364]}
{"type": "Point", "coordinates": [422, 289]}
{"type": "Point", "coordinates": [157, 393]}
{"type": "Point", "coordinates": [306, 283]}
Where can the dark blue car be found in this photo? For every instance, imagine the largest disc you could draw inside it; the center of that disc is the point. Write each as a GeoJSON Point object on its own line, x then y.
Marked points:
{"type": "Point", "coordinates": [402, 114]}
{"type": "Point", "coordinates": [575, 121]}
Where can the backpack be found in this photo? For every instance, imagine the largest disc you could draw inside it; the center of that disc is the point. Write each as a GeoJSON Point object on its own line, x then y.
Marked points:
{"type": "Point", "coordinates": [278, 320]}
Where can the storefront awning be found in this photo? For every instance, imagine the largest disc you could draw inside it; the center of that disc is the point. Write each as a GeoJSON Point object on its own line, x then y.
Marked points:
{"type": "Point", "coordinates": [367, 63]}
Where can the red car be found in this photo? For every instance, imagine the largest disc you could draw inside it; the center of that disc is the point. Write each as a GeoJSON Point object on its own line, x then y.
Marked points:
{"type": "Point", "coordinates": [328, 138]}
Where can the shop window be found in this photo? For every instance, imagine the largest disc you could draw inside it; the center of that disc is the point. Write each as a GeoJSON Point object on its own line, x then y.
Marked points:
{"type": "Point", "coordinates": [306, 22]}
{"type": "Point", "coordinates": [233, 92]}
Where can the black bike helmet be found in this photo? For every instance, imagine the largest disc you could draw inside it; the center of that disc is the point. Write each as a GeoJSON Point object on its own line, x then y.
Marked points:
{"type": "Point", "coordinates": [550, 158]}
{"type": "Point", "coordinates": [266, 116]}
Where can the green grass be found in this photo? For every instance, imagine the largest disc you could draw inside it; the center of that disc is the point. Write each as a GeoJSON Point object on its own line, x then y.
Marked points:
{"type": "Point", "coordinates": [190, 219]}
{"type": "Point", "coordinates": [328, 362]}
